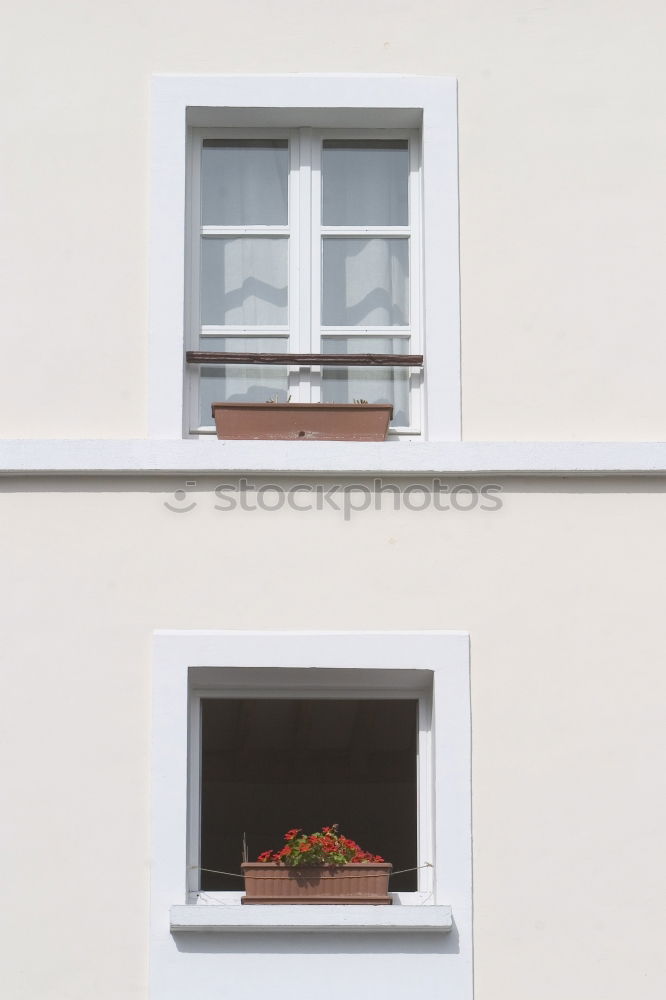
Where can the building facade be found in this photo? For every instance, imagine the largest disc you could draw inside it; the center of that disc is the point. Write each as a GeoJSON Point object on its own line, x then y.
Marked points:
{"type": "Point", "coordinates": [451, 639]}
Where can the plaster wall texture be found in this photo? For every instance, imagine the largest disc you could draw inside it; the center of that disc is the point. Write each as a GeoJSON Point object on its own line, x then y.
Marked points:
{"type": "Point", "coordinates": [561, 592]}
{"type": "Point", "coordinates": [562, 150]}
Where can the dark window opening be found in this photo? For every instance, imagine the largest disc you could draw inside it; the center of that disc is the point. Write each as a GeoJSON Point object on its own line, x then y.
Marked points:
{"type": "Point", "coordinates": [271, 764]}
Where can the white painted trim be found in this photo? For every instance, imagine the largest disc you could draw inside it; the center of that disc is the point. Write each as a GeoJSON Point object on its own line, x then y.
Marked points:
{"type": "Point", "coordinates": [324, 101]}
{"type": "Point", "coordinates": [311, 458]}
{"type": "Point", "coordinates": [399, 659]}
{"type": "Point", "coordinates": [359, 919]}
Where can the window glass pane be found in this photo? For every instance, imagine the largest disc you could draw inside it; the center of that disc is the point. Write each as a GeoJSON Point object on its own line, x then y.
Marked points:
{"type": "Point", "coordinates": [244, 182]}
{"type": "Point", "coordinates": [365, 282]}
{"type": "Point", "coordinates": [364, 182]}
{"type": "Point", "coordinates": [374, 385]}
{"type": "Point", "coordinates": [241, 383]}
{"type": "Point", "coordinates": [269, 765]}
{"type": "Point", "coordinates": [244, 280]}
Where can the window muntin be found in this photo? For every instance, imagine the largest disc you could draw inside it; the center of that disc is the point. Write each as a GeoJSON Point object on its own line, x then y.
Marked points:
{"type": "Point", "coordinates": [275, 256]}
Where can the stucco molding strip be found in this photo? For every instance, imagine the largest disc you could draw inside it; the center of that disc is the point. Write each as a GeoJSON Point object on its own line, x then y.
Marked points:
{"type": "Point", "coordinates": [210, 456]}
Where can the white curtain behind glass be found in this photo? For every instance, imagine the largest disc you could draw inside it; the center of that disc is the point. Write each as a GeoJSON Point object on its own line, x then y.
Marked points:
{"type": "Point", "coordinates": [365, 182]}
{"type": "Point", "coordinates": [244, 280]}
{"type": "Point", "coordinates": [244, 182]}
{"type": "Point", "coordinates": [365, 282]}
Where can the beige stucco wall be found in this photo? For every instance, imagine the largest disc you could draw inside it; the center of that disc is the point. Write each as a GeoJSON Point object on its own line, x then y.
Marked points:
{"type": "Point", "coordinates": [562, 151]}
{"type": "Point", "coordinates": [561, 591]}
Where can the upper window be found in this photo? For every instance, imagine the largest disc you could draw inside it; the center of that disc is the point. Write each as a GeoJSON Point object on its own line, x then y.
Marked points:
{"type": "Point", "coordinates": [321, 221]}
{"type": "Point", "coordinates": [305, 242]}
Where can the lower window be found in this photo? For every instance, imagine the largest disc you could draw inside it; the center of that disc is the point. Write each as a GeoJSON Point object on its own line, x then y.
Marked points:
{"type": "Point", "coordinates": [269, 765]}
{"type": "Point", "coordinates": [261, 764]}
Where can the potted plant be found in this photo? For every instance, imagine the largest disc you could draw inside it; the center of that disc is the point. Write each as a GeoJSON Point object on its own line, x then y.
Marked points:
{"type": "Point", "coordinates": [273, 421]}
{"type": "Point", "coordinates": [321, 867]}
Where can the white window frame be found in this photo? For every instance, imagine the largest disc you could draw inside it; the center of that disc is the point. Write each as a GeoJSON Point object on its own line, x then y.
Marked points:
{"type": "Point", "coordinates": [305, 231]}
{"type": "Point", "coordinates": [321, 102]}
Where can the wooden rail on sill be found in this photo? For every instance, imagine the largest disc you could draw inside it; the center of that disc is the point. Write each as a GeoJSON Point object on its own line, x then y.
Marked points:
{"type": "Point", "coordinates": [306, 360]}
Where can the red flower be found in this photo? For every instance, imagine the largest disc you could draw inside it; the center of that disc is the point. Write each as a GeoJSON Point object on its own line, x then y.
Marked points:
{"type": "Point", "coordinates": [326, 846]}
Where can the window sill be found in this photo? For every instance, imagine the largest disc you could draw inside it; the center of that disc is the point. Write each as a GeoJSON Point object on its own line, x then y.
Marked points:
{"type": "Point", "coordinates": [304, 919]}
{"type": "Point", "coordinates": [168, 457]}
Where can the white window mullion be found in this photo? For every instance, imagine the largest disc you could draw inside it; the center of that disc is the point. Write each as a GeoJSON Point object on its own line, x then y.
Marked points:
{"type": "Point", "coordinates": [299, 380]}
{"type": "Point", "coordinates": [296, 256]}
{"type": "Point", "coordinates": [315, 264]}
{"type": "Point", "coordinates": [299, 218]}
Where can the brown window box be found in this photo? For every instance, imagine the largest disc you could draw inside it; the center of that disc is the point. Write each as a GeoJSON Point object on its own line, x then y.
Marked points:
{"type": "Point", "coordinates": [366, 883]}
{"type": "Point", "coordinates": [302, 421]}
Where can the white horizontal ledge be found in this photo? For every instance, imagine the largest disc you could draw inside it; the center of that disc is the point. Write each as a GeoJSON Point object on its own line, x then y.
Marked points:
{"type": "Point", "coordinates": [269, 919]}
{"type": "Point", "coordinates": [275, 458]}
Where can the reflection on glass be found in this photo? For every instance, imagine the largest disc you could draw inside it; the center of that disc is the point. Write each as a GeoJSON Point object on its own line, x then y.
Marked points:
{"type": "Point", "coordinates": [244, 280]}
{"type": "Point", "coordinates": [365, 282]}
{"type": "Point", "coordinates": [244, 182]}
{"type": "Point", "coordinates": [374, 385]}
{"type": "Point", "coordinates": [364, 182]}
{"type": "Point", "coordinates": [241, 383]}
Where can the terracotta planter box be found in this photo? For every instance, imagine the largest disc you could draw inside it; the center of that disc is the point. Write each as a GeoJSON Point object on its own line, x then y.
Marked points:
{"type": "Point", "coordinates": [273, 883]}
{"type": "Point", "coordinates": [302, 421]}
